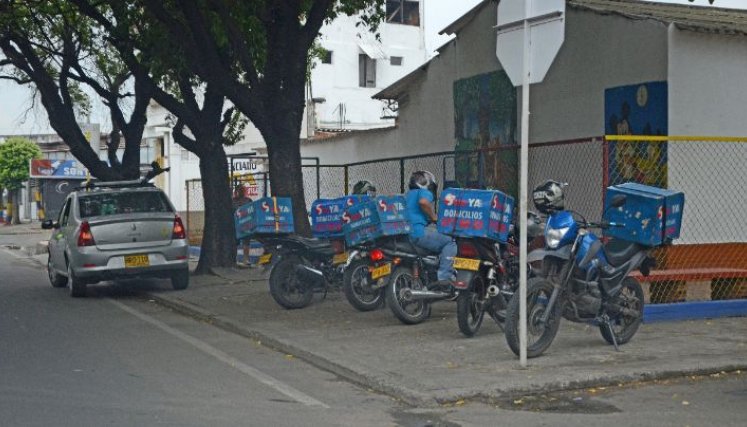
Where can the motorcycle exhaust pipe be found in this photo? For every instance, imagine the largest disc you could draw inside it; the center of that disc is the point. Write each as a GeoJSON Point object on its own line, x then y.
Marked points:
{"type": "Point", "coordinates": [493, 290]}
{"type": "Point", "coordinates": [423, 295]}
{"type": "Point", "coordinates": [307, 273]}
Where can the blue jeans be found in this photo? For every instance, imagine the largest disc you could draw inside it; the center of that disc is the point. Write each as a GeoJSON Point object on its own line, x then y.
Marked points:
{"type": "Point", "coordinates": [443, 245]}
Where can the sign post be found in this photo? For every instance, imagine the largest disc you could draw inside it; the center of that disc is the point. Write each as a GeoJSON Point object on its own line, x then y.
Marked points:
{"type": "Point", "coordinates": [530, 33]}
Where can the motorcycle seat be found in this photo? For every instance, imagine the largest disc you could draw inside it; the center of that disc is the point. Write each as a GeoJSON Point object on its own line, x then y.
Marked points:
{"type": "Point", "coordinates": [406, 247]}
{"type": "Point", "coordinates": [618, 252]}
{"type": "Point", "coordinates": [311, 243]}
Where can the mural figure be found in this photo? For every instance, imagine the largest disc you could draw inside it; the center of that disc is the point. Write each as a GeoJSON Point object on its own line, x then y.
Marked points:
{"type": "Point", "coordinates": [642, 110]}
{"type": "Point", "coordinates": [485, 119]}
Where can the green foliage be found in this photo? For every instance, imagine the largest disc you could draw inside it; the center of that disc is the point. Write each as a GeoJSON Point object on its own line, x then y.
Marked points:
{"type": "Point", "coordinates": [15, 154]}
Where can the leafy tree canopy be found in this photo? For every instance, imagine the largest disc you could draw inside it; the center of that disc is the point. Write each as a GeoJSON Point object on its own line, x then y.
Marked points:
{"type": "Point", "coordinates": [15, 154]}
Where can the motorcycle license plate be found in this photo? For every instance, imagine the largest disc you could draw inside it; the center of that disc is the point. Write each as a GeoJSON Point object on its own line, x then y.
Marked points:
{"type": "Point", "coordinates": [466, 264]}
{"type": "Point", "coordinates": [340, 258]}
{"type": "Point", "coordinates": [134, 261]}
{"type": "Point", "coordinates": [265, 259]}
{"type": "Point", "coordinates": [382, 271]}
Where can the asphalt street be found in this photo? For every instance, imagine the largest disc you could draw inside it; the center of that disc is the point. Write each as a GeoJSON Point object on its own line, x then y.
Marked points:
{"type": "Point", "coordinates": [116, 358]}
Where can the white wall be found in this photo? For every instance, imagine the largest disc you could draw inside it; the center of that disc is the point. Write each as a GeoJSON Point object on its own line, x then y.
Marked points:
{"type": "Point", "coordinates": [708, 100]}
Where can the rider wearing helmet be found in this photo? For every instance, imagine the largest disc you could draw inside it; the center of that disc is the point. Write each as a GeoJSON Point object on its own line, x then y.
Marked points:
{"type": "Point", "coordinates": [548, 197]}
{"type": "Point", "coordinates": [364, 187]}
{"type": "Point", "coordinates": [420, 212]}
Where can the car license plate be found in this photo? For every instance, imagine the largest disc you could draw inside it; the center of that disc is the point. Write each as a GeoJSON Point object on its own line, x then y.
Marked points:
{"type": "Point", "coordinates": [265, 259]}
{"type": "Point", "coordinates": [382, 271]}
{"type": "Point", "coordinates": [340, 258]}
{"type": "Point", "coordinates": [466, 264]}
{"type": "Point", "coordinates": [133, 261]}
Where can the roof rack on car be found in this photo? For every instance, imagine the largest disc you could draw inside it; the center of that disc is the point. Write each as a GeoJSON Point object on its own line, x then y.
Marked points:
{"type": "Point", "coordinates": [142, 182]}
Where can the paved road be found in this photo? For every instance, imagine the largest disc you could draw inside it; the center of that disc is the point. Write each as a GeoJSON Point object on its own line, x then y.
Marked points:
{"type": "Point", "coordinates": [117, 359]}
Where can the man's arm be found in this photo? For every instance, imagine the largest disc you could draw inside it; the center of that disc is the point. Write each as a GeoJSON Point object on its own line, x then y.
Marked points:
{"type": "Point", "coordinates": [427, 207]}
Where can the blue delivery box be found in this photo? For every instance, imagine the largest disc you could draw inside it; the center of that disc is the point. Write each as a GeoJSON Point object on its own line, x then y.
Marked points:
{"type": "Point", "coordinates": [269, 215]}
{"type": "Point", "coordinates": [475, 213]}
{"type": "Point", "coordinates": [382, 216]}
{"type": "Point", "coordinates": [652, 216]}
{"type": "Point", "coordinates": [326, 215]}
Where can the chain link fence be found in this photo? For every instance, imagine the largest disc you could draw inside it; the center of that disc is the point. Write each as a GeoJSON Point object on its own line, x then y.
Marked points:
{"type": "Point", "coordinates": [709, 261]}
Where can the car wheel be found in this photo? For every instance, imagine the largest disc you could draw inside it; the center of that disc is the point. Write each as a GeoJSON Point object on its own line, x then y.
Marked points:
{"type": "Point", "coordinates": [75, 286]}
{"type": "Point", "coordinates": [180, 280]}
{"type": "Point", "coordinates": [57, 280]}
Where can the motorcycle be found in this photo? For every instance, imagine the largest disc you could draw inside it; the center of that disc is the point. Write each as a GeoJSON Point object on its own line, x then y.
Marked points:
{"type": "Point", "coordinates": [583, 280]}
{"type": "Point", "coordinates": [487, 276]}
{"type": "Point", "coordinates": [405, 273]}
{"type": "Point", "coordinates": [361, 290]}
{"type": "Point", "coordinates": [300, 267]}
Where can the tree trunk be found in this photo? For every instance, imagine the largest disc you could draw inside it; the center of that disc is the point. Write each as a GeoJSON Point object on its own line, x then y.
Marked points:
{"type": "Point", "coordinates": [286, 175]}
{"type": "Point", "coordinates": [14, 212]}
{"type": "Point", "coordinates": [219, 236]}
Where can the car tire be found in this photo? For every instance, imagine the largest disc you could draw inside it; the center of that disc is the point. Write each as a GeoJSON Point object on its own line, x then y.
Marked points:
{"type": "Point", "coordinates": [57, 280]}
{"type": "Point", "coordinates": [75, 286]}
{"type": "Point", "coordinates": [180, 280]}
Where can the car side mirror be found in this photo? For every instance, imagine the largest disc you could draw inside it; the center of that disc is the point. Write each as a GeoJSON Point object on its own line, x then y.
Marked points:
{"type": "Point", "coordinates": [618, 200]}
{"type": "Point", "coordinates": [49, 224]}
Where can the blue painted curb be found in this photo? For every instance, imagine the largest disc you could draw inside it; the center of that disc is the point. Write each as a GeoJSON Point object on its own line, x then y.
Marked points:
{"type": "Point", "coordinates": [694, 310]}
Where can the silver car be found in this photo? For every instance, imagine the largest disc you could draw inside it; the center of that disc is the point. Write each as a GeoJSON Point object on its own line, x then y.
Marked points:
{"type": "Point", "coordinates": [116, 230]}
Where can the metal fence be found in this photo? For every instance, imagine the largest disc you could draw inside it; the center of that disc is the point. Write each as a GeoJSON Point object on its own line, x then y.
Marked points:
{"type": "Point", "coordinates": [708, 262]}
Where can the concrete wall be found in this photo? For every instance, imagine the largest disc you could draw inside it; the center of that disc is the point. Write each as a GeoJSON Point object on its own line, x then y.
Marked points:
{"type": "Point", "coordinates": [599, 52]}
{"type": "Point", "coordinates": [708, 100]}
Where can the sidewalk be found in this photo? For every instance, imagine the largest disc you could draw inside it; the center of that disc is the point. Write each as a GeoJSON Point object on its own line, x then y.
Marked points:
{"type": "Point", "coordinates": [432, 363]}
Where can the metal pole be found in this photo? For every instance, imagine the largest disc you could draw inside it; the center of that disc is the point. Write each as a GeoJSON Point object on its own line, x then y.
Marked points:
{"type": "Point", "coordinates": [523, 192]}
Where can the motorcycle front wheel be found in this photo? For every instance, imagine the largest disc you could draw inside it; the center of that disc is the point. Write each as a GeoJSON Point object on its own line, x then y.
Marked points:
{"type": "Point", "coordinates": [408, 312]}
{"type": "Point", "coordinates": [471, 307]}
{"type": "Point", "coordinates": [286, 288]}
{"type": "Point", "coordinates": [356, 284]}
{"type": "Point", "coordinates": [624, 327]}
{"type": "Point", "coordinates": [539, 334]}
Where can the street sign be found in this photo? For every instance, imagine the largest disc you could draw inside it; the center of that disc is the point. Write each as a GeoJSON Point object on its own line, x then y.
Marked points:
{"type": "Point", "coordinates": [546, 20]}
{"type": "Point", "coordinates": [530, 33]}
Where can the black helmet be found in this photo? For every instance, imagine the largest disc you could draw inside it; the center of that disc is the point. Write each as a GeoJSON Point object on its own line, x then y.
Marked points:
{"type": "Point", "coordinates": [424, 180]}
{"type": "Point", "coordinates": [364, 188]}
{"type": "Point", "coordinates": [548, 197]}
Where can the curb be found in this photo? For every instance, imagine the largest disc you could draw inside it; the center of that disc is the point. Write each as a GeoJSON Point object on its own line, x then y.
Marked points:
{"type": "Point", "coordinates": [413, 397]}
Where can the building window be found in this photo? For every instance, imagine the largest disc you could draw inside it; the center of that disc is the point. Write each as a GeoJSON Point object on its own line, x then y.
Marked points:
{"type": "Point", "coordinates": [395, 60]}
{"type": "Point", "coordinates": [366, 71]}
{"type": "Point", "coordinates": [327, 57]}
{"type": "Point", "coordinates": [405, 12]}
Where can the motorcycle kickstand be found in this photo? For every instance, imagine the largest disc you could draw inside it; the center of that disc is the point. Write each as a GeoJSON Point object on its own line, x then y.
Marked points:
{"type": "Point", "coordinates": [608, 324]}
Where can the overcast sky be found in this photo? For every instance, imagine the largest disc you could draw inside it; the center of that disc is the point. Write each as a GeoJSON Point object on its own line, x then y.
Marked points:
{"type": "Point", "coordinates": [15, 101]}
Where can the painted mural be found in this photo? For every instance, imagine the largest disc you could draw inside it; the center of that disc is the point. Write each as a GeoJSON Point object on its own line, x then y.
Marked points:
{"type": "Point", "coordinates": [485, 116]}
{"type": "Point", "coordinates": [639, 109]}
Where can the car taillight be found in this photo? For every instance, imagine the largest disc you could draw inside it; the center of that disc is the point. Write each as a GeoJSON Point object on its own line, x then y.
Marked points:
{"type": "Point", "coordinates": [376, 255]}
{"type": "Point", "coordinates": [468, 250]}
{"type": "Point", "coordinates": [85, 237]}
{"type": "Point", "coordinates": [179, 232]}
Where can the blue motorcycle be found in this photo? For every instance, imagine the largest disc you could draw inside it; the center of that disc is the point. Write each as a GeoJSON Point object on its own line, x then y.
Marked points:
{"type": "Point", "coordinates": [579, 278]}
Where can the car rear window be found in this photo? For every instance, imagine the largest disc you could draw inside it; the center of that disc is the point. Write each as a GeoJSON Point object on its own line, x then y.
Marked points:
{"type": "Point", "coordinates": [123, 203]}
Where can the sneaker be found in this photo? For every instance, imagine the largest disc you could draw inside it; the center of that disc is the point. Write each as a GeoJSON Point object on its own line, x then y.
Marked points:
{"type": "Point", "coordinates": [442, 283]}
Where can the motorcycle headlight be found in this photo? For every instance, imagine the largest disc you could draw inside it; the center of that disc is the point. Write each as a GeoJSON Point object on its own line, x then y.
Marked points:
{"type": "Point", "coordinates": [553, 236]}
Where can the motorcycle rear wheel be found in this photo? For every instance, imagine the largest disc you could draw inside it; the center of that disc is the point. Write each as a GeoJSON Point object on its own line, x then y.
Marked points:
{"type": "Point", "coordinates": [286, 288]}
{"type": "Point", "coordinates": [357, 289]}
{"type": "Point", "coordinates": [471, 307]}
{"type": "Point", "coordinates": [631, 297]}
{"type": "Point", "coordinates": [408, 312]}
{"type": "Point", "coordinates": [539, 336]}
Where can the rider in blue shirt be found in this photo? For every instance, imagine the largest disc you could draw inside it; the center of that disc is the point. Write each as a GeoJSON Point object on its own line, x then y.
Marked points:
{"type": "Point", "coordinates": [420, 212]}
